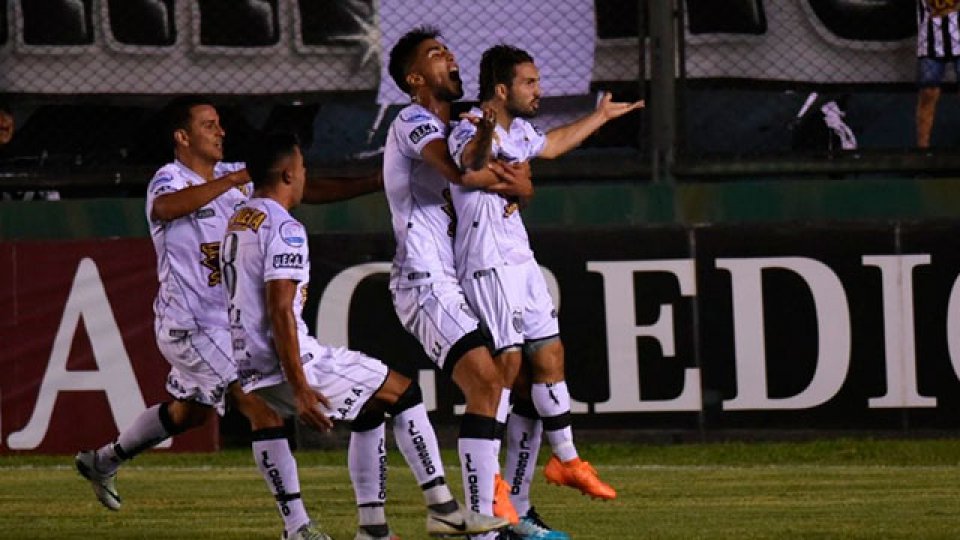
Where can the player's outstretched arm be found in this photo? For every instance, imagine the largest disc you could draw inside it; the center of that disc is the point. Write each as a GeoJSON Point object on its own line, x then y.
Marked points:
{"type": "Point", "coordinates": [327, 190]}
{"type": "Point", "coordinates": [565, 138]}
{"type": "Point", "coordinates": [283, 324]}
{"type": "Point", "coordinates": [174, 205]}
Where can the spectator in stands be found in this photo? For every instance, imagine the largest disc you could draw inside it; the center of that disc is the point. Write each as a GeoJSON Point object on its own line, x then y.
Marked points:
{"type": "Point", "coordinates": [7, 126]}
{"type": "Point", "coordinates": [938, 45]}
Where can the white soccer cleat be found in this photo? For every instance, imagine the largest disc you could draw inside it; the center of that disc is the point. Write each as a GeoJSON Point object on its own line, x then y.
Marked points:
{"type": "Point", "coordinates": [104, 485]}
{"type": "Point", "coordinates": [308, 531]}
{"type": "Point", "coordinates": [462, 522]}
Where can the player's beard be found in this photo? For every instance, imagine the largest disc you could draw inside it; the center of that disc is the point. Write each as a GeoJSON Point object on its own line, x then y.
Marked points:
{"type": "Point", "coordinates": [519, 111]}
{"type": "Point", "coordinates": [452, 91]}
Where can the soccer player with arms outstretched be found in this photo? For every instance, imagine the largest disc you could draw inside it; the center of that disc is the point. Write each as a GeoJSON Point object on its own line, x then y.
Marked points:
{"type": "Point", "coordinates": [503, 282]}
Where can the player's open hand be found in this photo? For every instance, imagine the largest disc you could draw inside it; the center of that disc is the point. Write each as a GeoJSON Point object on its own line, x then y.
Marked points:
{"type": "Point", "coordinates": [516, 175]}
{"type": "Point", "coordinates": [309, 409]}
{"type": "Point", "coordinates": [614, 109]}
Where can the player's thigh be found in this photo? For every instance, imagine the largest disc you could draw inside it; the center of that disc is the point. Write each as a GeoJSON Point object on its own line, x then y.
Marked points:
{"type": "Point", "coordinates": [347, 378]}
{"type": "Point", "coordinates": [540, 313]}
{"type": "Point", "coordinates": [438, 315]}
{"type": "Point", "coordinates": [496, 295]}
{"type": "Point", "coordinates": [201, 366]}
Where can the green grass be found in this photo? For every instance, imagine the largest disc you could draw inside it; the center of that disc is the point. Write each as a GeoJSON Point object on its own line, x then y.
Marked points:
{"type": "Point", "coordinates": [830, 489]}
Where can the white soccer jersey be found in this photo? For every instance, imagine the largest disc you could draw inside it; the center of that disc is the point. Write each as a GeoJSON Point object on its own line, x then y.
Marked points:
{"type": "Point", "coordinates": [938, 28]}
{"type": "Point", "coordinates": [418, 196]}
{"type": "Point", "coordinates": [188, 249]}
{"type": "Point", "coordinates": [263, 243]}
{"type": "Point", "coordinates": [487, 235]}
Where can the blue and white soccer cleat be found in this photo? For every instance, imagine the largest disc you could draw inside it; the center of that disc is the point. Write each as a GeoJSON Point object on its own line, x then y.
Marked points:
{"type": "Point", "coordinates": [533, 528]}
{"type": "Point", "coordinates": [104, 485]}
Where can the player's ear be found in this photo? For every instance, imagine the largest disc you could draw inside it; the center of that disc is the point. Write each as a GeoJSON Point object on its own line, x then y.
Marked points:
{"type": "Point", "coordinates": [180, 137]}
{"type": "Point", "coordinates": [501, 91]}
{"type": "Point", "coordinates": [414, 79]}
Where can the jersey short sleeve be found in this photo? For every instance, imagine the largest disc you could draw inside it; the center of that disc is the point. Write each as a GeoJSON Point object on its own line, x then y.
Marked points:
{"type": "Point", "coordinates": [286, 254]}
{"type": "Point", "coordinates": [536, 139]}
{"type": "Point", "coordinates": [459, 137]}
{"type": "Point", "coordinates": [166, 180]}
{"type": "Point", "coordinates": [417, 128]}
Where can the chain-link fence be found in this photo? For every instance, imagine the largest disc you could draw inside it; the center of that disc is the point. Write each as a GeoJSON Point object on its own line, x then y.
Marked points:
{"type": "Point", "coordinates": [778, 84]}
{"type": "Point", "coordinates": [84, 79]}
{"type": "Point", "coordinates": [813, 79]}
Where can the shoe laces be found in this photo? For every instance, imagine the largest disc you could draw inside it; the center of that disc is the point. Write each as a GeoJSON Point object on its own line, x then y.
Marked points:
{"type": "Point", "coordinates": [533, 517]}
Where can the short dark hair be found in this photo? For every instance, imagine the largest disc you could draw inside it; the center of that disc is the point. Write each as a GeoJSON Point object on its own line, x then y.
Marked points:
{"type": "Point", "coordinates": [177, 112]}
{"type": "Point", "coordinates": [269, 150]}
{"type": "Point", "coordinates": [402, 54]}
{"type": "Point", "coordinates": [497, 67]}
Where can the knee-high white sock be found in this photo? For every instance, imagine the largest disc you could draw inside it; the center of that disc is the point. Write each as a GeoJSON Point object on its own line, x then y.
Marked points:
{"type": "Point", "coordinates": [478, 462]}
{"type": "Point", "coordinates": [149, 429]}
{"type": "Point", "coordinates": [503, 412]}
{"type": "Point", "coordinates": [523, 446]}
{"type": "Point", "coordinates": [552, 401]}
{"type": "Point", "coordinates": [367, 461]}
{"type": "Point", "coordinates": [279, 469]}
{"type": "Point", "coordinates": [418, 443]}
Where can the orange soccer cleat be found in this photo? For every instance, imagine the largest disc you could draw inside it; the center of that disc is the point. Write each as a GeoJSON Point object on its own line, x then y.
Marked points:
{"type": "Point", "coordinates": [502, 507]}
{"type": "Point", "coordinates": [578, 474]}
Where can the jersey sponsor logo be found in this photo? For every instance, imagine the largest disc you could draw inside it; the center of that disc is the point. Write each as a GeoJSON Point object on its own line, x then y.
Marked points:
{"type": "Point", "coordinates": [205, 213]}
{"type": "Point", "coordinates": [288, 260]}
{"type": "Point", "coordinates": [247, 218]}
{"type": "Point", "coordinates": [162, 179]}
{"type": "Point", "coordinates": [422, 131]}
{"type": "Point", "coordinates": [292, 234]}
{"type": "Point", "coordinates": [211, 261]}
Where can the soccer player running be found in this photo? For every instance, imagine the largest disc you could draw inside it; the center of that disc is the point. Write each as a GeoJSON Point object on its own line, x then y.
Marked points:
{"type": "Point", "coordinates": [188, 204]}
{"type": "Point", "coordinates": [417, 172]}
{"type": "Point", "coordinates": [266, 269]}
{"type": "Point", "coordinates": [504, 284]}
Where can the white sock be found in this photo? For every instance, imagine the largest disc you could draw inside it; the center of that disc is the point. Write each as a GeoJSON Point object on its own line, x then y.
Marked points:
{"type": "Point", "coordinates": [503, 413]}
{"type": "Point", "coordinates": [552, 401]}
{"type": "Point", "coordinates": [279, 470]}
{"type": "Point", "coordinates": [523, 445]}
{"type": "Point", "coordinates": [146, 431]}
{"type": "Point", "coordinates": [418, 443]}
{"type": "Point", "coordinates": [367, 462]}
{"type": "Point", "coordinates": [478, 464]}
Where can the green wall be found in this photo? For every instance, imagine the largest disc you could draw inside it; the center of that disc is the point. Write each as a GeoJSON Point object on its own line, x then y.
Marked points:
{"type": "Point", "coordinates": [576, 204]}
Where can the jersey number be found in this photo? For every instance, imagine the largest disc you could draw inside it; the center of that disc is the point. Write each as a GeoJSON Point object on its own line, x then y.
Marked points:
{"type": "Point", "coordinates": [229, 269]}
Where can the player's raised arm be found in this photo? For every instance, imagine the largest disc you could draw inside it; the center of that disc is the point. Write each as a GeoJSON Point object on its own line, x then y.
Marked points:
{"type": "Point", "coordinates": [173, 205]}
{"type": "Point", "coordinates": [283, 324]}
{"type": "Point", "coordinates": [565, 138]}
{"type": "Point", "coordinates": [476, 152]}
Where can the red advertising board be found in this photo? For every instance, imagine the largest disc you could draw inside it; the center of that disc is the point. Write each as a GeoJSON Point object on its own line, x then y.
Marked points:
{"type": "Point", "coordinates": [78, 355]}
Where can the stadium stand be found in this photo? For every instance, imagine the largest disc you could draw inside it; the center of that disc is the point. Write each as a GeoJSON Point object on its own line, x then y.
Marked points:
{"type": "Point", "coordinates": [57, 22]}
{"type": "Point", "coordinates": [143, 22]}
{"type": "Point", "coordinates": [239, 23]}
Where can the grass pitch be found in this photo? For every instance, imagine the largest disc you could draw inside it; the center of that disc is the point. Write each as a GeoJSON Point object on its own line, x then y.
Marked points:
{"type": "Point", "coordinates": [836, 489]}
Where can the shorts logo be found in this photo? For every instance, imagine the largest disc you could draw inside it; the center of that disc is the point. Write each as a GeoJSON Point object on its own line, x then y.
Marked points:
{"type": "Point", "coordinates": [293, 234]}
{"type": "Point", "coordinates": [422, 131]}
{"type": "Point", "coordinates": [288, 260]}
{"type": "Point", "coordinates": [518, 321]}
